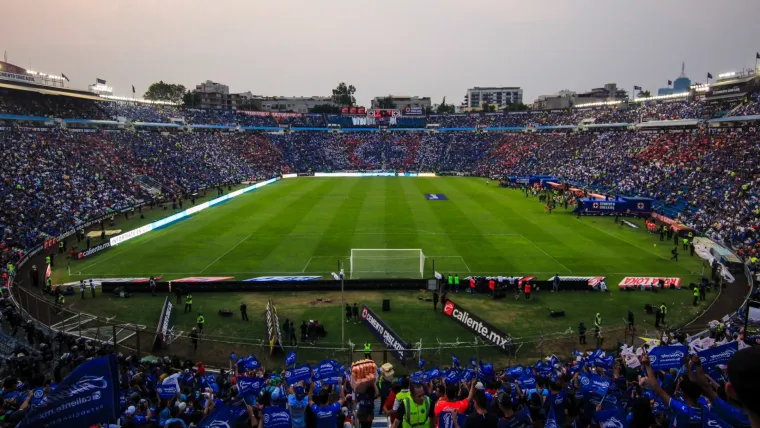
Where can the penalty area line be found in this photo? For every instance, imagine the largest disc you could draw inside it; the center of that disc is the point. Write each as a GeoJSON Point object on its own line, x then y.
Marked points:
{"type": "Point", "coordinates": [547, 254]}
{"type": "Point", "coordinates": [226, 252]}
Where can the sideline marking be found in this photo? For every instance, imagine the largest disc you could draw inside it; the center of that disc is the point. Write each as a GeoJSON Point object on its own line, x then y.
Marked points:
{"type": "Point", "coordinates": [225, 253]}
{"type": "Point", "coordinates": [307, 264]}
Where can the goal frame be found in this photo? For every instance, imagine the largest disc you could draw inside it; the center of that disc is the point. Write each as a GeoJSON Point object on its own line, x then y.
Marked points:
{"type": "Point", "coordinates": [421, 255]}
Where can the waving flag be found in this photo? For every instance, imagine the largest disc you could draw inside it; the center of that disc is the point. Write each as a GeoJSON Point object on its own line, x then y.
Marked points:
{"type": "Point", "coordinates": [219, 417]}
{"type": "Point", "coordinates": [591, 383]}
{"type": "Point", "coordinates": [472, 362]}
{"type": "Point", "coordinates": [455, 361]}
{"type": "Point", "coordinates": [88, 395]}
{"type": "Point", "coordinates": [610, 418]}
{"type": "Point", "coordinates": [452, 377]}
{"type": "Point", "coordinates": [291, 358]}
{"type": "Point", "coordinates": [526, 382]}
{"type": "Point", "coordinates": [422, 363]}
{"type": "Point", "coordinates": [551, 419]}
{"type": "Point", "coordinates": [248, 363]}
{"type": "Point", "coordinates": [276, 417]}
{"type": "Point", "coordinates": [667, 357]}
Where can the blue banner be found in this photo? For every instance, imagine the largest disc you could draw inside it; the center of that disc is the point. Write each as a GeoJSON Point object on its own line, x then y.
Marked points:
{"type": "Point", "coordinates": [452, 376]}
{"type": "Point", "coordinates": [395, 344]}
{"type": "Point", "coordinates": [290, 359]}
{"type": "Point", "coordinates": [433, 373]}
{"type": "Point", "coordinates": [249, 388]}
{"type": "Point", "coordinates": [711, 420]}
{"type": "Point", "coordinates": [218, 418]}
{"type": "Point", "coordinates": [327, 372]}
{"type": "Point", "coordinates": [667, 357]}
{"type": "Point", "coordinates": [605, 362]}
{"type": "Point", "coordinates": [610, 418]}
{"type": "Point", "coordinates": [455, 360]}
{"type": "Point", "coordinates": [166, 392]}
{"type": "Point", "coordinates": [276, 417]}
{"type": "Point", "coordinates": [515, 372]}
{"type": "Point", "coordinates": [88, 395]}
{"type": "Point", "coordinates": [248, 363]}
{"type": "Point", "coordinates": [283, 279]}
{"type": "Point", "coordinates": [526, 382]}
{"type": "Point", "coordinates": [718, 355]}
{"type": "Point", "coordinates": [297, 374]}
{"type": "Point", "coordinates": [591, 383]}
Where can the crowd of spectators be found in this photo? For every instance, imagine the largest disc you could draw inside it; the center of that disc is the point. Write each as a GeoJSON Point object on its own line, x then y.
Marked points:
{"type": "Point", "coordinates": [137, 112]}
{"type": "Point", "coordinates": [675, 380]}
{"type": "Point", "coordinates": [750, 108]}
{"type": "Point", "coordinates": [674, 110]}
{"type": "Point", "coordinates": [32, 104]}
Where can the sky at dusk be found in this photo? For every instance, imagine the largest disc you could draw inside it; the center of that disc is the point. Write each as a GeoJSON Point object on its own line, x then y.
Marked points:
{"type": "Point", "coordinates": [430, 48]}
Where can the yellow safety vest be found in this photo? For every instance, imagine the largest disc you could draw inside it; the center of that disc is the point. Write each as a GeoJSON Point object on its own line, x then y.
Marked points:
{"type": "Point", "coordinates": [663, 309]}
{"type": "Point", "coordinates": [416, 415]}
{"type": "Point", "coordinates": [696, 292]}
{"type": "Point", "coordinates": [189, 300]}
{"type": "Point", "coordinates": [598, 320]}
{"type": "Point", "coordinates": [201, 320]}
{"type": "Point", "coordinates": [367, 347]}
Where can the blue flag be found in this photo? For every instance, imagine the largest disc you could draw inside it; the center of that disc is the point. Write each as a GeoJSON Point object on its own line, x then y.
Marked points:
{"type": "Point", "coordinates": [718, 355]}
{"type": "Point", "coordinates": [472, 362]}
{"type": "Point", "coordinates": [248, 363]}
{"type": "Point", "coordinates": [455, 360]}
{"type": "Point", "coordinates": [526, 382]}
{"type": "Point", "coordinates": [515, 372]}
{"type": "Point", "coordinates": [433, 373]}
{"type": "Point", "coordinates": [276, 417]}
{"type": "Point", "coordinates": [468, 375]}
{"type": "Point", "coordinates": [452, 376]}
{"type": "Point", "coordinates": [610, 418]}
{"type": "Point", "coordinates": [711, 420]}
{"type": "Point", "coordinates": [605, 362]}
{"type": "Point", "coordinates": [422, 364]}
{"type": "Point", "coordinates": [591, 383]}
{"type": "Point", "coordinates": [89, 395]}
{"type": "Point", "coordinates": [166, 392]}
{"type": "Point", "coordinates": [551, 419]}
{"type": "Point", "coordinates": [416, 377]}
{"type": "Point", "coordinates": [297, 374]}
{"type": "Point", "coordinates": [249, 388]}
{"type": "Point", "coordinates": [219, 417]}
{"type": "Point", "coordinates": [291, 358]}
{"type": "Point", "coordinates": [667, 357]}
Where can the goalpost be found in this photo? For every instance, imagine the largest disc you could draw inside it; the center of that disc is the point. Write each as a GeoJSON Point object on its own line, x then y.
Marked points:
{"type": "Point", "coordinates": [387, 263]}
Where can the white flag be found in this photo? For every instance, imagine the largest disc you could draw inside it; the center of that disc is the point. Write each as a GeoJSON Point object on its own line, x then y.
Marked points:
{"type": "Point", "coordinates": [335, 276]}
{"type": "Point", "coordinates": [438, 276]}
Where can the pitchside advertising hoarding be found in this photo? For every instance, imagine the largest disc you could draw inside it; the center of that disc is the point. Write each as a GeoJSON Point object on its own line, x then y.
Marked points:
{"type": "Point", "coordinates": [397, 346]}
{"type": "Point", "coordinates": [487, 332]}
{"type": "Point", "coordinates": [165, 329]}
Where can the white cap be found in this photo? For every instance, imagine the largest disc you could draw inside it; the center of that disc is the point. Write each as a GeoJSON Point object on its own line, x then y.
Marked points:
{"type": "Point", "coordinates": [479, 385]}
{"type": "Point", "coordinates": [131, 410]}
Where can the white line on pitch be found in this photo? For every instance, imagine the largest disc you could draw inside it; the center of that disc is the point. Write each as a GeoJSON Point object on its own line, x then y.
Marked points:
{"type": "Point", "coordinates": [307, 264]}
{"type": "Point", "coordinates": [547, 254]}
{"type": "Point", "coordinates": [225, 253]}
{"type": "Point", "coordinates": [465, 264]}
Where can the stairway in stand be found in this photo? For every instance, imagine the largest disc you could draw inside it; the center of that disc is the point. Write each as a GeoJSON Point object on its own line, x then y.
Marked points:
{"type": "Point", "coordinates": [380, 421]}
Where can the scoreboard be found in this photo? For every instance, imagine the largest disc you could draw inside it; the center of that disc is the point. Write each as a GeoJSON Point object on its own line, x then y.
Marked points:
{"type": "Point", "coordinates": [383, 114]}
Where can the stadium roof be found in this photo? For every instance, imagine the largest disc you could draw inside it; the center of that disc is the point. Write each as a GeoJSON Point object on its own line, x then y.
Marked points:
{"type": "Point", "coordinates": [48, 90]}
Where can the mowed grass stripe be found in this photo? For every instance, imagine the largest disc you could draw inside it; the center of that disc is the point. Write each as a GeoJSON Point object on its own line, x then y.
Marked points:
{"type": "Point", "coordinates": [400, 229]}
{"type": "Point", "coordinates": [294, 251]}
{"type": "Point", "coordinates": [250, 256]}
{"type": "Point", "coordinates": [369, 231]}
{"type": "Point", "coordinates": [332, 245]}
{"type": "Point", "coordinates": [467, 237]}
{"type": "Point", "coordinates": [437, 244]}
{"type": "Point", "coordinates": [182, 246]}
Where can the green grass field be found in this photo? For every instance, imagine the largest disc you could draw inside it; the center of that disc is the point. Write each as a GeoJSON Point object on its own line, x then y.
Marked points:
{"type": "Point", "coordinates": [305, 226]}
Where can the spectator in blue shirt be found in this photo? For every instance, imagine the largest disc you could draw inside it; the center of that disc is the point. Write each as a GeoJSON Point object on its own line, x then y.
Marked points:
{"type": "Point", "coordinates": [297, 403]}
{"type": "Point", "coordinates": [326, 414]}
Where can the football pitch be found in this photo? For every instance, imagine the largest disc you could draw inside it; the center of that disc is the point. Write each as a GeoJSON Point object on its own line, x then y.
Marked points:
{"type": "Point", "coordinates": [306, 226]}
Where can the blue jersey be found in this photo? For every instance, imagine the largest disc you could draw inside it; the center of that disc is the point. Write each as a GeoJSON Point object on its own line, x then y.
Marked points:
{"type": "Point", "coordinates": [326, 415]}
{"type": "Point", "coordinates": [682, 415]}
{"type": "Point", "coordinates": [297, 410]}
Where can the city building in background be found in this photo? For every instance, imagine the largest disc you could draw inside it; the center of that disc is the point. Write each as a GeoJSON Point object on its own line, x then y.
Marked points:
{"type": "Point", "coordinates": [291, 104]}
{"type": "Point", "coordinates": [680, 85]}
{"type": "Point", "coordinates": [497, 96]}
{"type": "Point", "coordinates": [609, 92]}
{"type": "Point", "coordinates": [562, 99]}
{"type": "Point", "coordinates": [406, 104]}
{"type": "Point", "coordinates": [217, 95]}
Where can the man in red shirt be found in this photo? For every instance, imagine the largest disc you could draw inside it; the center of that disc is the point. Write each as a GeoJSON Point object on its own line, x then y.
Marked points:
{"type": "Point", "coordinates": [472, 285]}
{"type": "Point", "coordinates": [491, 285]}
{"type": "Point", "coordinates": [449, 402]}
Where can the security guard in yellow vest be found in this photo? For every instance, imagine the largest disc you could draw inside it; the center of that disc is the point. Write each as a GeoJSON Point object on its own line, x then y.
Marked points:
{"type": "Point", "coordinates": [367, 351]}
{"type": "Point", "coordinates": [417, 410]}
{"type": "Point", "coordinates": [696, 296]}
{"type": "Point", "coordinates": [663, 312]}
{"type": "Point", "coordinates": [200, 322]}
{"type": "Point", "coordinates": [47, 260]}
{"type": "Point", "coordinates": [598, 320]}
{"type": "Point", "coordinates": [685, 243]}
{"type": "Point", "coordinates": [188, 303]}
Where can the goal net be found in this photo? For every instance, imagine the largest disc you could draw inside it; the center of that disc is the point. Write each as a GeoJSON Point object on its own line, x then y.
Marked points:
{"type": "Point", "coordinates": [387, 263]}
